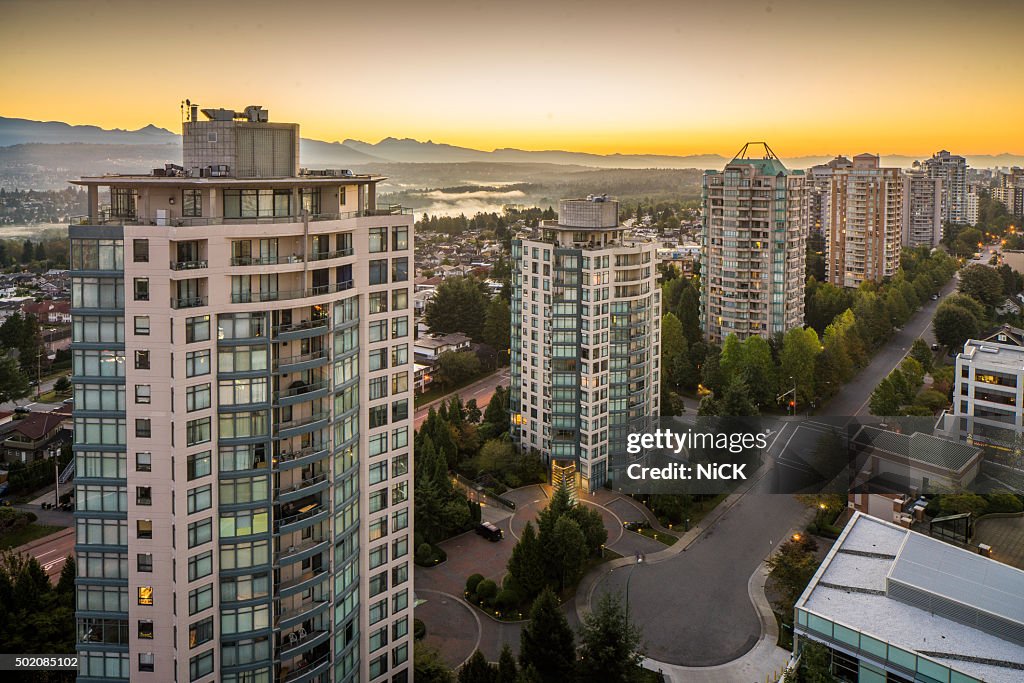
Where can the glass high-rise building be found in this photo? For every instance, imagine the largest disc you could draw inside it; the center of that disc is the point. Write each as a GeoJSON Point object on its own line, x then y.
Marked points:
{"type": "Point", "coordinates": [243, 402]}
{"type": "Point", "coordinates": [586, 328]}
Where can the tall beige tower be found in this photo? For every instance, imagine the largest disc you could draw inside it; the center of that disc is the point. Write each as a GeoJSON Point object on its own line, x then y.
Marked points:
{"type": "Point", "coordinates": [755, 230]}
{"type": "Point", "coordinates": [866, 223]}
{"type": "Point", "coordinates": [243, 404]}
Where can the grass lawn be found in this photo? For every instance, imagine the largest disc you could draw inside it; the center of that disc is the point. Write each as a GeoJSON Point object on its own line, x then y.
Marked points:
{"type": "Point", "coordinates": [54, 396]}
{"type": "Point", "coordinates": [436, 392]}
{"type": "Point", "coordinates": [26, 534]}
{"type": "Point", "coordinates": [667, 539]}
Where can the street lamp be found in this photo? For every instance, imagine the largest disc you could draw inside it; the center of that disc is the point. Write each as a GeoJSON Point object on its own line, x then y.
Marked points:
{"type": "Point", "coordinates": [639, 560]}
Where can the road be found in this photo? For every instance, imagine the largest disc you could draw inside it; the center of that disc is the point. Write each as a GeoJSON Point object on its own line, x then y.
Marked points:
{"type": "Point", "coordinates": [481, 391]}
{"type": "Point", "coordinates": [853, 398]}
{"type": "Point", "coordinates": [31, 405]}
{"type": "Point", "coordinates": [51, 551]}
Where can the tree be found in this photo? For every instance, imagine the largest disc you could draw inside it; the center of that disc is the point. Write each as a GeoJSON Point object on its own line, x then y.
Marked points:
{"type": "Point", "coordinates": [454, 367]}
{"type": "Point", "coordinates": [497, 324]}
{"type": "Point", "coordinates": [885, 399]}
{"type": "Point", "coordinates": [477, 670]}
{"type": "Point", "coordinates": [815, 665]}
{"type": "Point", "coordinates": [800, 347]}
{"type": "Point", "coordinates": [954, 325]}
{"type": "Point", "coordinates": [760, 373]}
{"type": "Point", "coordinates": [609, 643]}
{"type": "Point", "coordinates": [793, 566]}
{"type": "Point", "coordinates": [27, 251]}
{"type": "Point", "coordinates": [428, 666]}
{"type": "Point", "coordinates": [570, 551]}
{"type": "Point", "coordinates": [526, 564]}
{"type": "Point", "coordinates": [547, 643]}
{"type": "Point", "coordinates": [920, 352]}
{"type": "Point", "coordinates": [459, 305]}
{"type": "Point", "coordinates": [40, 252]}
{"type": "Point", "coordinates": [13, 384]}
{"type": "Point", "coordinates": [962, 502]}
{"type": "Point", "coordinates": [508, 672]}
{"type": "Point", "coordinates": [62, 384]}
{"type": "Point", "coordinates": [982, 283]}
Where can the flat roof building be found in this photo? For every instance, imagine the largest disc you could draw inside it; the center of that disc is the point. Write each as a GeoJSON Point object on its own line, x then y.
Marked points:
{"type": "Point", "coordinates": [891, 604]}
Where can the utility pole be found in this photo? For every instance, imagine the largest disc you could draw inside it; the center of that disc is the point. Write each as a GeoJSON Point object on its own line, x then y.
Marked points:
{"type": "Point", "coordinates": [792, 401]}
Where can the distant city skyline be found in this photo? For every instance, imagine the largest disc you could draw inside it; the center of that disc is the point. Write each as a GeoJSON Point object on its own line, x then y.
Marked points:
{"type": "Point", "coordinates": [655, 77]}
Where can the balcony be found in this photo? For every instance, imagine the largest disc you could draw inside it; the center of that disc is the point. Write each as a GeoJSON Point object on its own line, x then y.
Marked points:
{"type": "Point", "coordinates": [188, 302]}
{"type": "Point", "coordinates": [297, 614]}
{"type": "Point", "coordinates": [306, 671]}
{"type": "Point", "coordinates": [307, 514]}
{"type": "Point", "coordinates": [188, 265]}
{"type": "Point", "coordinates": [300, 489]}
{"type": "Point", "coordinates": [300, 641]}
{"type": "Point", "coordinates": [291, 554]}
{"type": "Point", "coordinates": [105, 217]}
{"type": "Point", "coordinates": [264, 260]}
{"type": "Point", "coordinates": [286, 295]}
{"type": "Point", "coordinates": [337, 253]}
{"type": "Point", "coordinates": [301, 457]}
{"type": "Point", "coordinates": [300, 362]}
{"type": "Point", "coordinates": [300, 425]}
{"type": "Point", "coordinates": [305, 328]}
{"type": "Point", "coordinates": [302, 582]}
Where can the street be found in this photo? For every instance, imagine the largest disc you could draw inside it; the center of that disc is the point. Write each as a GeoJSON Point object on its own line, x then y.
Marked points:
{"type": "Point", "coordinates": [51, 551]}
{"type": "Point", "coordinates": [481, 391]}
{"type": "Point", "coordinates": [31, 404]}
{"type": "Point", "coordinates": [853, 397]}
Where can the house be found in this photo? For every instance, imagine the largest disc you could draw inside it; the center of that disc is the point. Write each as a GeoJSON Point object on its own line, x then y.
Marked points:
{"type": "Point", "coordinates": [429, 348]}
{"type": "Point", "coordinates": [31, 437]}
{"type": "Point", "coordinates": [52, 312]}
{"type": "Point", "coordinates": [421, 377]}
{"type": "Point", "coordinates": [1006, 334]}
{"type": "Point", "coordinates": [888, 461]}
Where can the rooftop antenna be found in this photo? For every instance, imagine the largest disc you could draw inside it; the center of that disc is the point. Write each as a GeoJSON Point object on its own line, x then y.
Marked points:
{"type": "Point", "coordinates": [768, 153]}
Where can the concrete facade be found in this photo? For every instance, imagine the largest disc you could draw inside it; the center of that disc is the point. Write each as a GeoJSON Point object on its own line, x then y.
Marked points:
{"type": "Point", "coordinates": [243, 403]}
{"type": "Point", "coordinates": [922, 209]}
{"type": "Point", "coordinates": [952, 170]}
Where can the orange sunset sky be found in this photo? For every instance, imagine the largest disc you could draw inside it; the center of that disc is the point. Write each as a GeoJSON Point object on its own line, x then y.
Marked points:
{"type": "Point", "coordinates": [665, 77]}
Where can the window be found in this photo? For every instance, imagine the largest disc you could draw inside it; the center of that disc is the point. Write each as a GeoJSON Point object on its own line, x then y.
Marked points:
{"type": "Point", "coordinates": [257, 203]}
{"type": "Point", "coordinates": [143, 427]}
{"type": "Point", "coordinates": [145, 595]}
{"type": "Point", "coordinates": [400, 237]}
{"type": "Point", "coordinates": [378, 359]}
{"type": "Point", "coordinates": [192, 203]}
{"type": "Point", "coordinates": [140, 251]}
{"type": "Point", "coordinates": [400, 269]}
{"type": "Point", "coordinates": [144, 462]}
{"type": "Point", "coordinates": [197, 397]}
{"type": "Point", "coordinates": [379, 272]}
{"type": "Point", "coordinates": [141, 289]}
{"type": "Point", "coordinates": [378, 501]}
{"type": "Point", "coordinates": [200, 532]}
{"type": "Point", "coordinates": [145, 629]}
{"type": "Point", "coordinates": [200, 598]}
{"type": "Point", "coordinates": [198, 465]}
{"type": "Point", "coordinates": [379, 444]}
{"type": "Point", "coordinates": [199, 498]}
{"type": "Point", "coordinates": [200, 565]}
{"type": "Point", "coordinates": [400, 520]}
{"type": "Point", "coordinates": [400, 574]}
{"type": "Point", "coordinates": [378, 611]}
{"type": "Point", "coordinates": [399, 299]}
{"type": "Point", "coordinates": [378, 330]}
{"type": "Point", "coordinates": [143, 393]}
{"type": "Point", "coordinates": [379, 666]}
{"type": "Point", "coordinates": [144, 562]}
{"type": "Point", "coordinates": [197, 328]}
{"type": "Point", "coordinates": [400, 410]}
{"type": "Point", "coordinates": [399, 601]}
{"type": "Point", "coordinates": [378, 302]}
{"type": "Point", "coordinates": [142, 325]}
{"type": "Point", "coordinates": [143, 528]}
{"type": "Point", "coordinates": [200, 666]}
{"type": "Point", "coordinates": [146, 661]}
{"type": "Point", "coordinates": [400, 327]}
{"type": "Point", "coordinates": [143, 495]}
{"type": "Point", "coordinates": [400, 382]}
{"type": "Point", "coordinates": [142, 360]}
{"type": "Point", "coordinates": [200, 632]}
{"type": "Point", "coordinates": [197, 431]}
{"type": "Point", "coordinates": [378, 416]}
{"type": "Point", "coordinates": [378, 240]}
{"type": "Point", "coordinates": [378, 387]}
{"type": "Point", "coordinates": [197, 363]}
{"type": "Point", "coordinates": [400, 547]}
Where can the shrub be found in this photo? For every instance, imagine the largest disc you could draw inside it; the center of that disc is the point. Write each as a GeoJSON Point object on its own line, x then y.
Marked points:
{"type": "Point", "coordinates": [486, 591]}
{"type": "Point", "coordinates": [419, 629]}
{"type": "Point", "coordinates": [1003, 502]}
{"type": "Point", "coordinates": [472, 582]}
{"type": "Point", "coordinates": [424, 555]}
{"type": "Point", "coordinates": [506, 600]}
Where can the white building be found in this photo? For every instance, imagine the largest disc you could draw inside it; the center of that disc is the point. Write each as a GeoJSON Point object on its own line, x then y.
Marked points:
{"type": "Point", "coordinates": [243, 404]}
{"type": "Point", "coordinates": [988, 394]}
{"type": "Point", "coordinates": [891, 604]}
{"type": "Point", "coordinates": [922, 209]}
{"type": "Point", "coordinates": [971, 214]}
{"type": "Point", "coordinates": [586, 313]}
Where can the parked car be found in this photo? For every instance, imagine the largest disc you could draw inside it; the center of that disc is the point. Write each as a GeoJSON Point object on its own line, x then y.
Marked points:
{"type": "Point", "coordinates": [935, 297]}
{"type": "Point", "coordinates": [489, 531]}
{"type": "Point", "coordinates": [935, 347]}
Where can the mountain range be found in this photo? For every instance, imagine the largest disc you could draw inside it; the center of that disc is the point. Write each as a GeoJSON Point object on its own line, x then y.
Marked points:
{"type": "Point", "coordinates": [318, 153]}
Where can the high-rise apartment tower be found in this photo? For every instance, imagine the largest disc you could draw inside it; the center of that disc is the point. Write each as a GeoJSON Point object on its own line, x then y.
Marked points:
{"type": "Point", "coordinates": [586, 326]}
{"type": "Point", "coordinates": [754, 243]}
{"type": "Point", "coordinates": [952, 170]}
{"type": "Point", "coordinates": [243, 395]}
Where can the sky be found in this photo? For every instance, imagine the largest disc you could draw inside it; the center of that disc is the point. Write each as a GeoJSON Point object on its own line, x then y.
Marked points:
{"type": "Point", "coordinates": [645, 76]}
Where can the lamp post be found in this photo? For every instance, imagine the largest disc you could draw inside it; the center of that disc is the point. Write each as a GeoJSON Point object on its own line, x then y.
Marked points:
{"type": "Point", "coordinates": [56, 476]}
{"type": "Point", "coordinates": [639, 560]}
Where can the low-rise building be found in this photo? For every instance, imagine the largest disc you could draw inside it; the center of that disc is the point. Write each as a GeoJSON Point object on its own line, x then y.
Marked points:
{"type": "Point", "coordinates": [891, 462]}
{"type": "Point", "coordinates": [890, 604]}
{"type": "Point", "coordinates": [989, 392]}
{"type": "Point", "coordinates": [32, 437]}
{"type": "Point", "coordinates": [428, 349]}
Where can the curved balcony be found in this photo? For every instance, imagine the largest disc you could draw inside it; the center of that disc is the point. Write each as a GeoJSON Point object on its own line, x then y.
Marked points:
{"type": "Point", "coordinates": [304, 456]}
{"type": "Point", "coordinates": [188, 302]}
{"type": "Point", "coordinates": [287, 494]}
{"type": "Point", "coordinates": [302, 582]}
{"type": "Point", "coordinates": [306, 516]}
{"type": "Point", "coordinates": [289, 294]}
{"type": "Point", "coordinates": [303, 551]}
{"type": "Point", "coordinates": [299, 330]}
{"type": "Point", "coordinates": [307, 671]}
{"type": "Point", "coordinates": [301, 643]}
{"type": "Point", "coordinates": [302, 425]}
{"type": "Point", "coordinates": [300, 362]}
{"type": "Point", "coordinates": [301, 393]}
{"type": "Point", "coordinates": [328, 255]}
{"type": "Point", "coordinates": [188, 265]}
{"type": "Point", "coordinates": [265, 260]}
{"type": "Point", "coordinates": [297, 615]}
